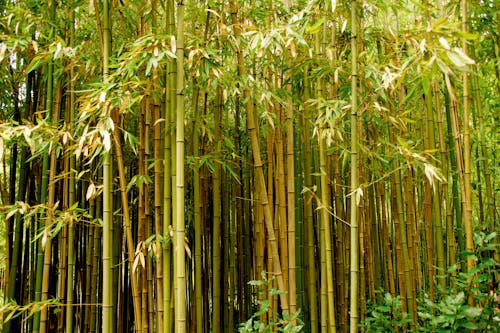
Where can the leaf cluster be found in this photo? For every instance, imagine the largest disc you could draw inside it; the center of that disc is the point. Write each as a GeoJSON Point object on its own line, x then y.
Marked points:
{"type": "Point", "coordinates": [471, 303]}
{"type": "Point", "coordinates": [276, 322]}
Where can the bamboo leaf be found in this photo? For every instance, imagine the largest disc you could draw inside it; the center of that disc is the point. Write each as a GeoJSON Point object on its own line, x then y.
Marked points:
{"type": "Point", "coordinates": [432, 174]}
{"type": "Point", "coordinates": [3, 48]}
{"type": "Point", "coordinates": [106, 140]}
{"type": "Point", "coordinates": [11, 213]}
{"type": "Point", "coordinates": [29, 141]}
{"type": "Point", "coordinates": [188, 250]}
{"type": "Point", "coordinates": [90, 191]}
{"type": "Point", "coordinates": [316, 27]}
{"type": "Point", "coordinates": [465, 58]}
{"type": "Point", "coordinates": [459, 58]}
{"type": "Point", "coordinates": [334, 5]}
{"type": "Point", "coordinates": [57, 53]}
{"type": "Point", "coordinates": [173, 44]}
{"type": "Point", "coordinates": [444, 43]}
{"type": "Point", "coordinates": [45, 237]}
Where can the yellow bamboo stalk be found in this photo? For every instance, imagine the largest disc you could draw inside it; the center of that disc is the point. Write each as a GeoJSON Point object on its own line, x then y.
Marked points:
{"type": "Point", "coordinates": [469, 242]}
{"type": "Point", "coordinates": [179, 229]}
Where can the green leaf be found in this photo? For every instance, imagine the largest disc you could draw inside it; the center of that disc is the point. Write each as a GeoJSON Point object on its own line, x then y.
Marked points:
{"type": "Point", "coordinates": [316, 27]}
{"type": "Point", "coordinates": [257, 283]}
{"type": "Point", "coordinates": [459, 58]}
{"type": "Point", "coordinates": [489, 237]}
{"type": "Point", "coordinates": [472, 312]}
{"type": "Point", "coordinates": [470, 326]}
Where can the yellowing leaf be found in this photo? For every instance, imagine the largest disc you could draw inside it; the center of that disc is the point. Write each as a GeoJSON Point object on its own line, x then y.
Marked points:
{"type": "Point", "coordinates": [444, 43]}
{"type": "Point", "coordinates": [58, 51]}
{"type": "Point", "coordinates": [432, 174]}
{"type": "Point", "coordinates": [11, 213]}
{"type": "Point", "coordinates": [173, 44]}
{"type": "Point", "coordinates": [334, 5]}
{"type": "Point", "coordinates": [29, 141]}
{"type": "Point", "coordinates": [459, 58]}
{"type": "Point", "coordinates": [464, 56]}
{"type": "Point", "coordinates": [358, 194]}
{"type": "Point", "coordinates": [455, 59]}
{"type": "Point", "coordinates": [139, 258]}
{"type": "Point", "coordinates": [45, 237]}
{"type": "Point", "coordinates": [106, 141]}
{"type": "Point", "coordinates": [3, 48]}
{"type": "Point", "coordinates": [188, 250]}
{"type": "Point", "coordinates": [90, 191]}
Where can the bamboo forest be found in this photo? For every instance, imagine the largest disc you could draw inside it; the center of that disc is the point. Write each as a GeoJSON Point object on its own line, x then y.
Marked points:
{"type": "Point", "coordinates": [249, 166]}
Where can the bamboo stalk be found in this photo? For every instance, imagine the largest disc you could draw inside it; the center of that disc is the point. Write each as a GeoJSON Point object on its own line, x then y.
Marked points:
{"type": "Point", "coordinates": [354, 266]}
{"type": "Point", "coordinates": [310, 243]}
{"type": "Point", "coordinates": [467, 150]}
{"type": "Point", "coordinates": [179, 229]}
{"type": "Point", "coordinates": [107, 245]}
{"type": "Point", "coordinates": [290, 186]}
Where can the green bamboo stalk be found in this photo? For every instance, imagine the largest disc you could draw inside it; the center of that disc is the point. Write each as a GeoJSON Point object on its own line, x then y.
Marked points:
{"type": "Point", "coordinates": [168, 177]}
{"type": "Point", "coordinates": [326, 235]}
{"type": "Point", "coordinates": [340, 254]}
{"type": "Point", "coordinates": [90, 260]}
{"type": "Point", "coordinates": [107, 241]}
{"type": "Point", "coordinates": [216, 231]}
{"type": "Point", "coordinates": [232, 284]}
{"type": "Point", "coordinates": [71, 195]}
{"type": "Point", "coordinates": [434, 194]}
{"type": "Point", "coordinates": [448, 215]}
{"type": "Point", "coordinates": [469, 242]}
{"type": "Point", "coordinates": [128, 231]}
{"type": "Point", "coordinates": [179, 230]}
{"type": "Point", "coordinates": [310, 244]}
{"type": "Point", "coordinates": [197, 215]}
{"type": "Point", "coordinates": [158, 191]}
{"type": "Point", "coordinates": [290, 168]}
{"type": "Point", "coordinates": [385, 234]}
{"type": "Point", "coordinates": [44, 187]}
{"type": "Point", "coordinates": [484, 158]}
{"type": "Point", "coordinates": [281, 201]}
{"type": "Point", "coordinates": [354, 254]}
{"type": "Point", "coordinates": [454, 168]}
{"type": "Point", "coordinates": [62, 241]}
{"type": "Point", "coordinates": [95, 283]}
{"type": "Point", "coordinates": [323, 307]}
{"type": "Point", "coordinates": [47, 247]}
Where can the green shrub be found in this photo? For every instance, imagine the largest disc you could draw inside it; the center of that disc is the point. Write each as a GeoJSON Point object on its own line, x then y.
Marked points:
{"type": "Point", "coordinates": [452, 311]}
{"type": "Point", "coordinates": [276, 322]}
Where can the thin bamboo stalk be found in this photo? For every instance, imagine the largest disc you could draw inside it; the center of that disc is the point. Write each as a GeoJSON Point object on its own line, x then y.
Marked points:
{"type": "Point", "coordinates": [309, 220]}
{"type": "Point", "coordinates": [216, 231]}
{"type": "Point", "coordinates": [354, 256]}
{"type": "Point", "coordinates": [469, 242]}
{"type": "Point", "coordinates": [290, 186]}
{"type": "Point", "coordinates": [179, 229]}
{"type": "Point", "coordinates": [107, 245]}
{"type": "Point", "coordinates": [168, 177]}
{"type": "Point", "coordinates": [326, 235]}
